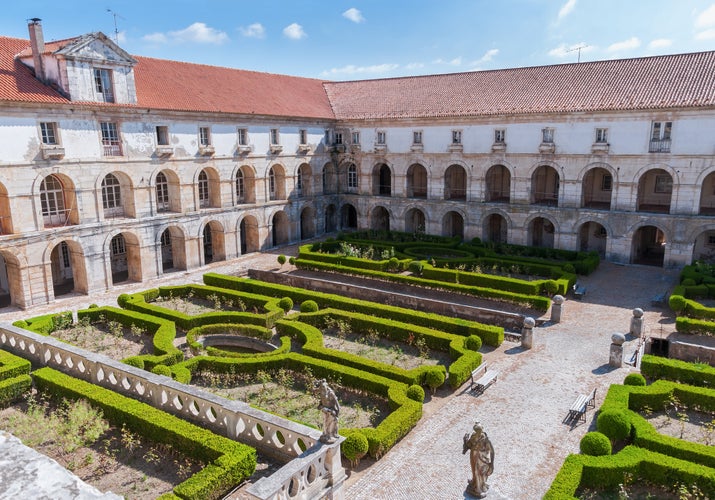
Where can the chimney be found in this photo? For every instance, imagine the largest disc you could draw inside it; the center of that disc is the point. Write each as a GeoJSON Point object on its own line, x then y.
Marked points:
{"type": "Point", "coordinates": [37, 43]}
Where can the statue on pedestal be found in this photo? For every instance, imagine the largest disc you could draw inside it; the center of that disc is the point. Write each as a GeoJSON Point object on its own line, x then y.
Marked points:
{"type": "Point", "coordinates": [481, 458]}
{"type": "Point", "coordinates": [331, 409]}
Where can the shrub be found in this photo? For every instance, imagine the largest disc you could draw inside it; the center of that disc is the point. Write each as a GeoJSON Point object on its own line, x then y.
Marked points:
{"type": "Point", "coordinates": [434, 379]}
{"type": "Point", "coordinates": [308, 306]}
{"type": "Point", "coordinates": [615, 424]}
{"type": "Point", "coordinates": [473, 343]}
{"type": "Point", "coordinates": [393, 264]}
{"type": "Point", "coordinates": [354, 447]}
{"type": "Point", "coordinates": [634, 379]}
{"type": "Point", "coordinates": [286, 303]}
{"type": "Point", "coordinates": [281, 259]}
{"type": "Point", "coordinates": [595, 444]}
{"type": "Point", "coordinates": [551, 287]}
{"type": "Point", "coordinates": [291, 261]}
{"type": "Point", "coordinates": [162, 370]}
{"type": "Point", "coordinates": [416, 393]}
{"type": "Point", "coordinates": [677, 303]}
{"type": "Point", "coordinates": [688, 282]}
{"type": "Point", "coordinates": [415, 267]}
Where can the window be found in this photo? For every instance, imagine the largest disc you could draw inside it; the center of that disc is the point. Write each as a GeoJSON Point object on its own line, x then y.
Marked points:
{"type": "Point", "coordinates": [660, 137]}
{"type": "Point", "coordinates": [203, 189]}
{"type": "Point", "coordinates": [711, 240]}
{"type": "Point", "coordinates": [52, 197]}
{"type": "Point", "coordinates": [606, 183]}
{"type": "Point", "coordinates": [49, 133]}
{"type": "Point", "coordinates": [103, 85]}
{"type": "Point", "coordinates": [166, 239]}
{"type": "Point", "coordinates": [547, 135]}
{"type": "Point", "coordinates": [303, 136]}
{"type": "Point", "coordinates": [352, 177]}
{"type": "Point", "coordinates": [240, 187]}
{"type": "Point", "coordinates": [118, 246]}
{"type": "Point", "coordinates": [602, 135]}
{"type": "Point", "coordinates": [356, 138]}
{"type": "Point", "coordinates": [271, 185]}
{"type": "Point", "coordinates": [274, 137]}
{"type": "Point", "coordinates": [243, 137]}
{"type": "Point", "coordinates": [499, 135]}
{"type": "Point", "coordinates": [162, 135]}
{"type": "Point", "coordinates": [663, 184]}
{"type": "Point", "coordinates": [381, 137]}
{"type": "Point", "coordinates": [111, 192]}
{"type": "Point", "coordinates": [204, 136]}
{"type": "Point", "coordinates": [162, 192]}
{"type": "Point", "coordinates": [456, 137]}
{"type": "Point", "coordinates": [338, 137]}
{"type": "Point", "coordinates": [65, 249]}
{"type": "Point", "coordinates": [299, 182]}
{"type": "Point", "coordinates": [110, 139]}
{"type": "Point", "coordinates": [417, 137]}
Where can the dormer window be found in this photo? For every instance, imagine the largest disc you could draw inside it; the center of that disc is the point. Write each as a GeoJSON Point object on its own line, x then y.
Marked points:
{"type": "Point", "coordinates": [103, 84]}
{"type": "Point", "coordinates": [49, 133]}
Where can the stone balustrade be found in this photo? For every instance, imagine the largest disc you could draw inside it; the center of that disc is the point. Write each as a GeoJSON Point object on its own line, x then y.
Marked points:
{"type": "Point", "coordinates": [313, 468]}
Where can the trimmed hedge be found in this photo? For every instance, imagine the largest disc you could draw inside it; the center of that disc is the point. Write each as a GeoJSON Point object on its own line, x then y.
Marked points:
{"type": "Point", "coordinates": [698, 374]}
{"type": "Point", "coordinates": [490, 335]}
{"type": "Point", "coordinates": [14, 377]}
{"type": "Point", "coordinates": [253, 331]}
{"type": "Point", "coordinates": [228, 462]}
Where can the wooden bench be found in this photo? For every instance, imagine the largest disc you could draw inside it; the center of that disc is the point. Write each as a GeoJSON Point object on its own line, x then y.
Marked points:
{"type": "Point", "coordinates": [659, 300]}
{"type": "Point", "coordinates": [480, 383]}
{"type": "Point", "coordinates": [579, 291]}
{"type": "Point", "coordinates": [580, 405]}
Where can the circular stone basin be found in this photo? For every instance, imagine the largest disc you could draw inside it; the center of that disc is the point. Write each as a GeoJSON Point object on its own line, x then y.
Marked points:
{"type": "Point", "coordinates": [235, 341]}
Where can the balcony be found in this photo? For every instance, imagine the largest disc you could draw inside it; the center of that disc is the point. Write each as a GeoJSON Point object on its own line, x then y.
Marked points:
{"type": "Point", "coordinates": [499, 147]}
{"type": "Point", "coordinates": [600, 148]}
{"type": "Point", "coordinates": [207, 150]}
{"type": "Point", "coordinates": [276, 149]}
{"type": "Point", "coordinates": [164, 151]}
{"type": "Point", "coordinates": [417, 148]}
{"type": "Point", "coordinates": [303, 148]}
{"type": "Point", "coordinates": [380, 148]}
{"type": "Point", "coordinates": [244, 149]}
{"type": "Point", "coordinates": [58, 218]}
{"type": "Point", "coordinates": [52, 152]}
{"type": "Point", "coordinates": [111, 149]}
{"type": "Point", "coordinates": [547, 148]}
{"type": "Point", "coordinates": [456, 147]}
{"type": "Point", "coordinates": [659, 146]}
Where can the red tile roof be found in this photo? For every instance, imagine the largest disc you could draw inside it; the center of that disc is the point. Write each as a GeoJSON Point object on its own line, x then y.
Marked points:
{"type": "Point", "coordinates": [684, 80]}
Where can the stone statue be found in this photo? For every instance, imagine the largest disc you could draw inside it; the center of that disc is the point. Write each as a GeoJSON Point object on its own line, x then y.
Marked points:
{"type": "Point", "coordinates": [481, 458]}
{"type": "Point", "coordinates": [330, 407]}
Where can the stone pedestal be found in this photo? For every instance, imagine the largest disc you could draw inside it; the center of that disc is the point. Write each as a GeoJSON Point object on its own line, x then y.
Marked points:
{"type": "Point", "coordinates": [556, 304]}
{"type": "Point", "coordinates": [615, 357]}
{"type": "Point", "coordinates": [637, 322]}
{"type": "Point", "coordinates": [527, 333]}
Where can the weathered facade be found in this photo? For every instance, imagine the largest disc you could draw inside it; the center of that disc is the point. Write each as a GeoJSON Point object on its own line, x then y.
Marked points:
{"type": "Point", "coordinates": [115, 167]}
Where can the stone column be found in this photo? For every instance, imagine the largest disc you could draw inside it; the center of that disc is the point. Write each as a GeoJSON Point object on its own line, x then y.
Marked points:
{"type": "Point", "coordinates": [556, 305]}
{"type": "Point", "coordinates": [637, 322]}
{"type": "Point", "coordinates": [527, 333]}
{"type": "Point", "coordinates": [616, 356]}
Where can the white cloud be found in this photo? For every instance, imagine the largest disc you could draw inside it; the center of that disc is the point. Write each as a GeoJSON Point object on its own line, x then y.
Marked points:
{"type": "Point", "coordinates": [155, 38]}
{"type": "Point", "coordinates": [353, 15]}
{"type": "Point", "coordinates": [488, 56]}
{"type": "Point", "coordinates": [294, 31]}
{"type": "Point", "coordinates": [121, 37]}
{"type": "Point", "coordinates": [199, 33]}
{"type": "Point", "coordinates": [706, 18]}
{"type": "Point", "coordinates": [660, 43]}
{"type": "Point", "coordinates": [351, 69]}
{"type": "Point", "coordinates": [415, 65]}
{"type": "Point", "coordinates": [566, 9]}
{"type": "Point", "coordinates": [631, 43]}
{"type": "Point", "coordinates": [255, 30]}
{"type": "Point", "coordinates": [706, 35]}
{"type": "Point", "coordinates": [457, 61]}
{"type": "Point", "coordinates": [564, 50]}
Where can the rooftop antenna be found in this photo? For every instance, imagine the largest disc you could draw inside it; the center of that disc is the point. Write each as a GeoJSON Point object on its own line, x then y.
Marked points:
{"type": "Point", "coordinates": [579, 50]}
{"type": "Point", "coordinates": [116, 30]}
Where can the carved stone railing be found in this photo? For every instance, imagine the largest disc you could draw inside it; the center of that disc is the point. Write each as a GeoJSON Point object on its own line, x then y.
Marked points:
{"type": "Point", "coordinates": [312, 473]}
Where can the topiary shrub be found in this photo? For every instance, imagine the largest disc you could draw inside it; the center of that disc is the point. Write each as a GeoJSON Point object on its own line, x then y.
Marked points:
{"type": "Point", "coordinates": [355, 447]}
{"type": "Point", "coordinates": [291, 261]}
{"type": "Point", "coordinates": [634, 379]}
{"type": "Point", "coordinates": [393, 264]}
{"type": "Point", "coordinates": [473, 343]}
{"type": "Point", "coordinates": [416, 393]}
{"type": "Point", "coordinates": [308, 306]}
{"type": "Point", "coordinates": [595, 444]}
{"type": "Point", "coordinates": [434, 379]}
{"type": "Point", "coordinates": [416, 267]}
{"type": "Point", "coordinates": [688, 282]}
{"type": "Point", "coordinates": [281, 259]}
{"type": "Point", "coordinates": [615, 424]}
{"type": "Point", "coordinates": [568, 268]}
{"type": "Point", "coordinates": [677, 303]}
{"type": "Point", "coordinates": [286, 303]}
{"type": "Point", "coordinates": [551, 287]}
{"type": "Point", "coordinates": [162, 370]}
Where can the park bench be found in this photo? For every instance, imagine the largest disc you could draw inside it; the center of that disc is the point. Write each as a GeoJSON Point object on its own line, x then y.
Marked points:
{"type": "Point", "coordinates": [660, 299]}
{"type": "Point", "coordinates": [480, 383]}
{"type": "Point", "coordinates": [580, 405]}
{"type": "Point", "coordinates": [579, 290]}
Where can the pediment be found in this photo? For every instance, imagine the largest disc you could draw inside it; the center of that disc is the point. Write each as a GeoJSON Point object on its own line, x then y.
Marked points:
{"type": "Point", "coordinates": [96, 47]}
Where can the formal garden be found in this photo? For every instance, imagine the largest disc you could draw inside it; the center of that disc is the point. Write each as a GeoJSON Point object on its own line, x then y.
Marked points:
{"type": "Point", "coordinates": [381, 360]}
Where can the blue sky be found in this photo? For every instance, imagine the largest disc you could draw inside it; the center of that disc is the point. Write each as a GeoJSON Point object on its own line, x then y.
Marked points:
{"type": "Point", "coordinates": [348, 40]}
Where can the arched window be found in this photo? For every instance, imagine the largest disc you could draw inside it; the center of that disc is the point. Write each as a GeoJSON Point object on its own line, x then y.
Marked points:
{"type": "Point", "coordinates": [240, 188]}
{"type": "Point", "coordinates": [352, 177]}
{"type": "Point", "coordinates": [52, 200]}
{"type": "Point", "coordinates": [162, 192]}
{"type": "Point", "coordinates": [204, 200]}
{"type": "Point", "coordinates": [111, 192]}
{"type": "Point", "coordinates": [272, 185]}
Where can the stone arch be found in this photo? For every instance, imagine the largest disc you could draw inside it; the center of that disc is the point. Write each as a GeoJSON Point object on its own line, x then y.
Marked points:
{"type": "Point", "coordinates": [417, 180]}
{"type": "Point", "coordinates": [541, 231]}
{"type": "Point", "coordinates": [123, 249]}
{"type": "Point", "coordinates": [331, 219]}
{"type": "Point", "coordinates": [655, 191]}
{"type": "Point", "coordinates": [116, 194]}
{"type": "Point", "coordinates": [704, 245]}
{"type": "Point", "coordinates": [382, 180]}
{"type": "Point", "coordinates": [453, 224]}
{"type": "Point", "coordinates": [58, 200]}
{"type": "Point", "coordinates": [455, 182]}
{"type": "Point", "coordinates": [167, 191]}
{"type": "Point", "coordinates": [12, 289]}
{"type": "Point", "coordinates": [280, 228]}
{"type": "Point", "coordinates": [592, 236]}
{"type": "Point", "coordinates": [330, 178]}
{"type": "Point", "coordinates": [248, 234]}
{"type": "Point", "coordinates": [498, 184]}
{"type": "Point", "coordinates": [276, 182]}
{"type": "Point", "coordinates": [648, 245]}
{"type": "Point", "coordinates": [307, 223]}
{"type": "Point", "coordinates": [245, 185]}
{"type": "Point", "coordinates": [208, 182]}
{"type": "Point", "coordinates": [495, 227]}
{"type": "Point", "coordinates": [415, 221]}
{"type": "Point", "coordinates": [380, 218]}
{"type": "Point", "coordinates": [68, 270]}
{"type": "Point", "coordinates": [6, 222]}
{"type": "Point", "coordinates": [545, 185]}
{"type": "Point", "coordinates": [350, 176]}
{"type": "Point", "coordinates": [304, 180]}
{"type": "Point", "coordinates": [706, 205]}
{"type": "Point", "coordinates": [172, 249]}
{"type": "Point", "coordinates": [213, 239]}
{"type": "Point", "coordinates": [597, 188]}
{"type": "Point", "coordinates": [348, 216]}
